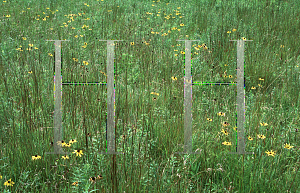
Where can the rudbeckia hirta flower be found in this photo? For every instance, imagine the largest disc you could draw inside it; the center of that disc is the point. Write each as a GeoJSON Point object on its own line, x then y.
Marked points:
{"type": "Point", "coordinates": [99, 177]}
{"type": "Point", "coordinates": [225, 124]}
{"type": "Point", "coordinates": [261, 136]}
{"type": "Point", "coordinates": [288, 146]}
{"type": "Point", "coordinates": [271, 153]}
{"type": "Point", "coordinates": [78, 152]}
{"type": "Point", "coordinates": [154, 93]}
{"type": "Point", "coordinates": [62, 143]}
{"type": "Point", "coordinates": [65, 157]}
{"type": "Point", "coordinates": [263, 124]}
{"type": "Point", "coordinates": [174, 78]}
{"type": "Point", "coordinates": [9, 183]}
{"type": "Point", "coordinates": [209, 119]}
{"type": "Point", "coordinates": [67, 145]}
{"type": "Point", "coordinates": [36, 157]}
{"type": "Point", "coordinates": [224, 131]}
{"type": "Point", "coordinates": [250, 138]}
{"type": "Point", "coordinates": [72, 141]}
{"type": "Point", "coordinates": [92, 179]}
{"type": "Point", "coordinates": [226, 143]}
{"type": "Point", "coordinates": [221, 114]}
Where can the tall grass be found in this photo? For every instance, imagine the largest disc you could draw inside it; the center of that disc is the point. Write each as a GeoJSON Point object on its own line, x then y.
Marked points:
{"type": "Point", "coordinates": [149, 102]}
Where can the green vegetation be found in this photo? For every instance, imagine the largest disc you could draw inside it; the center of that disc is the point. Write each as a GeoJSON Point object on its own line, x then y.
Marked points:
{"type": "Point", "coordinates": [149, 97]}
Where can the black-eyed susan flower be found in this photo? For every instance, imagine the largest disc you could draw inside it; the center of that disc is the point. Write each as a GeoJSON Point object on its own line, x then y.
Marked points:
{"type": "Point", "coordinates": [99, 177]}
{"type": "Point", "coordinates": [85, 63]}
{"type": "Point", "coordinates": [225, 132]}
{"type": "Point", "coordinates": [30, 72]}
{"type": "Point", "coordinates": [155, 93]}
{"type": "Point", "coordinates": [271, 153]}
{"type": "Point", "coordinates": [174, 78]}
{"type": "Point", "coordinates": [261, 136]}
{"type": "Point", "coordinates": [181, 24]}
{"type": "Point", "coordinates": [182, 52]}
{"type": "Point", "coordinates": [261, 79]}
{"type": "Point", "coordinates": [61, 143]}
{"type": "Point", "coordinates": [0, 177]}
{"type": "Point", "coordinates": [209, 119]}
{"type": "Point", "coordinates": [226, 143]}
{"type": "Point", "coordinates": [132, 43]}
{"type": "Point", "coordinates": [24, 38]}
{"type": "Point", "coordinates": [72, 141]}
{"type": "Point", "coordinates": [250, 138]}
{"type": "Point", "coordinates": [288, 146]}
{"type": "Point", "coordinates": [35, 157]}
{"type": "Point", "coordinates": [230, 76]}
{"type": "Point", "coordinates": [92, 179]}
{"type": "Point", "coordinates": [243, 38]}
{"type": "Point", "coordinates": [65, 157]}
{"type": "Point", "coordinates": [221, 114]}
{"type": "Point", "coordinates": [253, 87]}
{"type": "Point", "coordinates": [84, 26]}
{"type": "Point", "coordinates": [263, 124]}
{"type": "Point", "coordinates": [225, 124]}
{"type": "Point", "coordinates": [154, 98]}
{"type": "Point", "coordinates": [67, 145]}
{"type": "Point", "coordinates": [9, 183]}
{"type": "Point", "coordinates": [78, 152]}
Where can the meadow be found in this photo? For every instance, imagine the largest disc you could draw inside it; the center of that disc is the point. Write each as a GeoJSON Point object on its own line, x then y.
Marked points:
{"type": "Point", "coordinates": [149, 95]}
